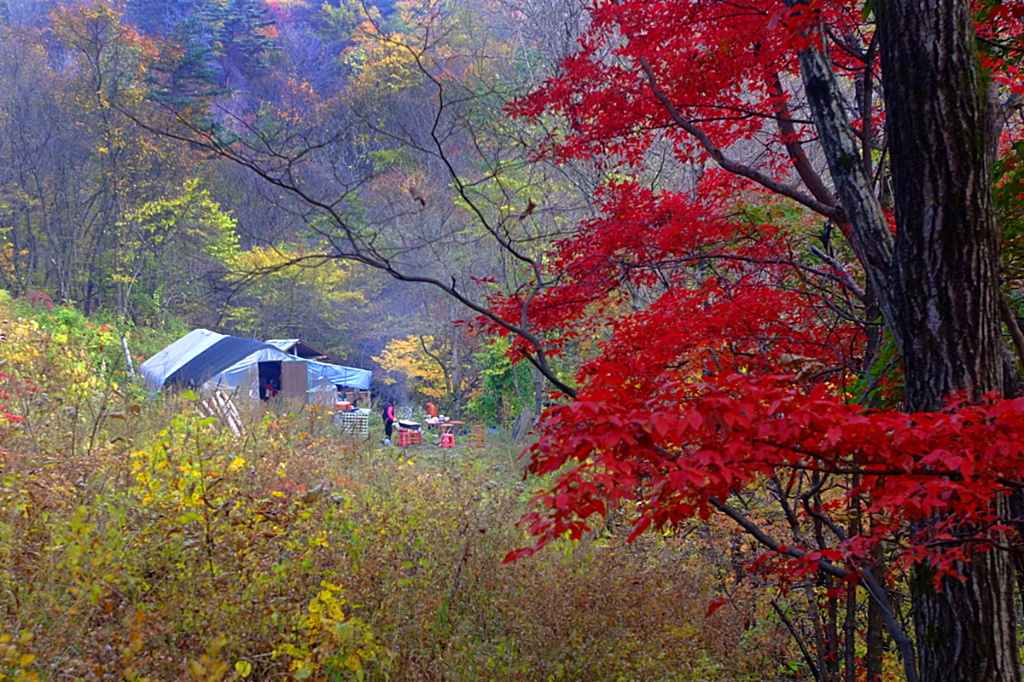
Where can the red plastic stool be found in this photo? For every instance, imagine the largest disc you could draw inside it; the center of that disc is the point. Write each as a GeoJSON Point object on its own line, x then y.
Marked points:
{"type": "Point", "coordinates": [403, 438]}
{"type": "Point", "coordinates": [447, 440]}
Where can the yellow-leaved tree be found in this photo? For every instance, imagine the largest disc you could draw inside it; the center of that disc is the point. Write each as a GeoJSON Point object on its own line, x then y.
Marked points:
{"type": "Point", "coordinates": [168, 248]}
{"type": "Point", "coordinates": [419, 363]}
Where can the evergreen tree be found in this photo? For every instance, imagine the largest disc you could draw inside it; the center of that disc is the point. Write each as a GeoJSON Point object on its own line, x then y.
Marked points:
{"type": "Point", "coordinates": [186, 69]}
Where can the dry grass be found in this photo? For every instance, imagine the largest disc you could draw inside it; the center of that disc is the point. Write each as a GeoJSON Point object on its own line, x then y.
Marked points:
{"type": "Point", "coordinates": [156, 545]}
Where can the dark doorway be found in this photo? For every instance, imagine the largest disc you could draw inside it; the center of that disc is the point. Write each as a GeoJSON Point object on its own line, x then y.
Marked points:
{"type": "Point", "coordinates": [270, 379]}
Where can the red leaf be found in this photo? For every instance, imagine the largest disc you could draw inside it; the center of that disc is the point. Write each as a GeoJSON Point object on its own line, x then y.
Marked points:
{"type": "Point", "coordinates": [715, 605]}
{"type": "Point", "coordinates": [518, 554]}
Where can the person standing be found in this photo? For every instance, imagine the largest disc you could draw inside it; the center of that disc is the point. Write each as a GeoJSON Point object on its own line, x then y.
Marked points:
{"type": "Point", "coordinates": [389, 420]}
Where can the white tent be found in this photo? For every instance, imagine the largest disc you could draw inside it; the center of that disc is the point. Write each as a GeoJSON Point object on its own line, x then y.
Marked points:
{"type": "Point", "coordinates": [158, 368]}
{"type": "Point", "coordinates": [207, 360]}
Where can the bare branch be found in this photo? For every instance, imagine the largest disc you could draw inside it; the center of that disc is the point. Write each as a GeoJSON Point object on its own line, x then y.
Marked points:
{"type": "Point", "coordinates": [728, 164]}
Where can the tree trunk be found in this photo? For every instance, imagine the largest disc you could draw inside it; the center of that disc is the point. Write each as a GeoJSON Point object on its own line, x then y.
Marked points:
{"type": "Point", "coordinates": [945, 286]}
{"type": "Point", "coordinates": [538, 394]}
{"type": "Point", "coordinates": [874, 640]}
{"type": "Point", "coordinates": [945, 271]}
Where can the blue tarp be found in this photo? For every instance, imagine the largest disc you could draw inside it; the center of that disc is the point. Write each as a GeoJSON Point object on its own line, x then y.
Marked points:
{"type": "Point", "coordinates": [350, 377]}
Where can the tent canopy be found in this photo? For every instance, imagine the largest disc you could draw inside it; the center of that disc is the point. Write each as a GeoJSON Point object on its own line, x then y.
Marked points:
{"type": "Point", "coordinates": [202, 355]}
{"type": "Point", "coordinates": [226, 353]}
{"type": "Point", "coordinates": [163, 364]}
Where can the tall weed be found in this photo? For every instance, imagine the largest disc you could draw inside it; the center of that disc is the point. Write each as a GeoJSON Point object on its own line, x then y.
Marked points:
{"type": "Point", "coordinates": [140, 540]}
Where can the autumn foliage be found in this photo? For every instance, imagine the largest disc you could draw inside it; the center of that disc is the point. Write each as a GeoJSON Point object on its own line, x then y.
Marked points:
{"type": "Point", "coordinates": [730, 326]}
{"type": "Point", "coordinates": [747, 365]}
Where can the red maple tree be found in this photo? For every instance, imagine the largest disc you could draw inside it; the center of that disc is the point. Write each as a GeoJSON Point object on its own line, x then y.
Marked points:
{"type": "Point", "coordinates": [811, 310]}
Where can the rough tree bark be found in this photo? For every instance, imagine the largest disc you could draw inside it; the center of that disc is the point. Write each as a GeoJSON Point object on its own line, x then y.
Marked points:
{"type": "Point", "coordinates": [945, 277]}
{"type": "Point", "coordinates": [938, 283]}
